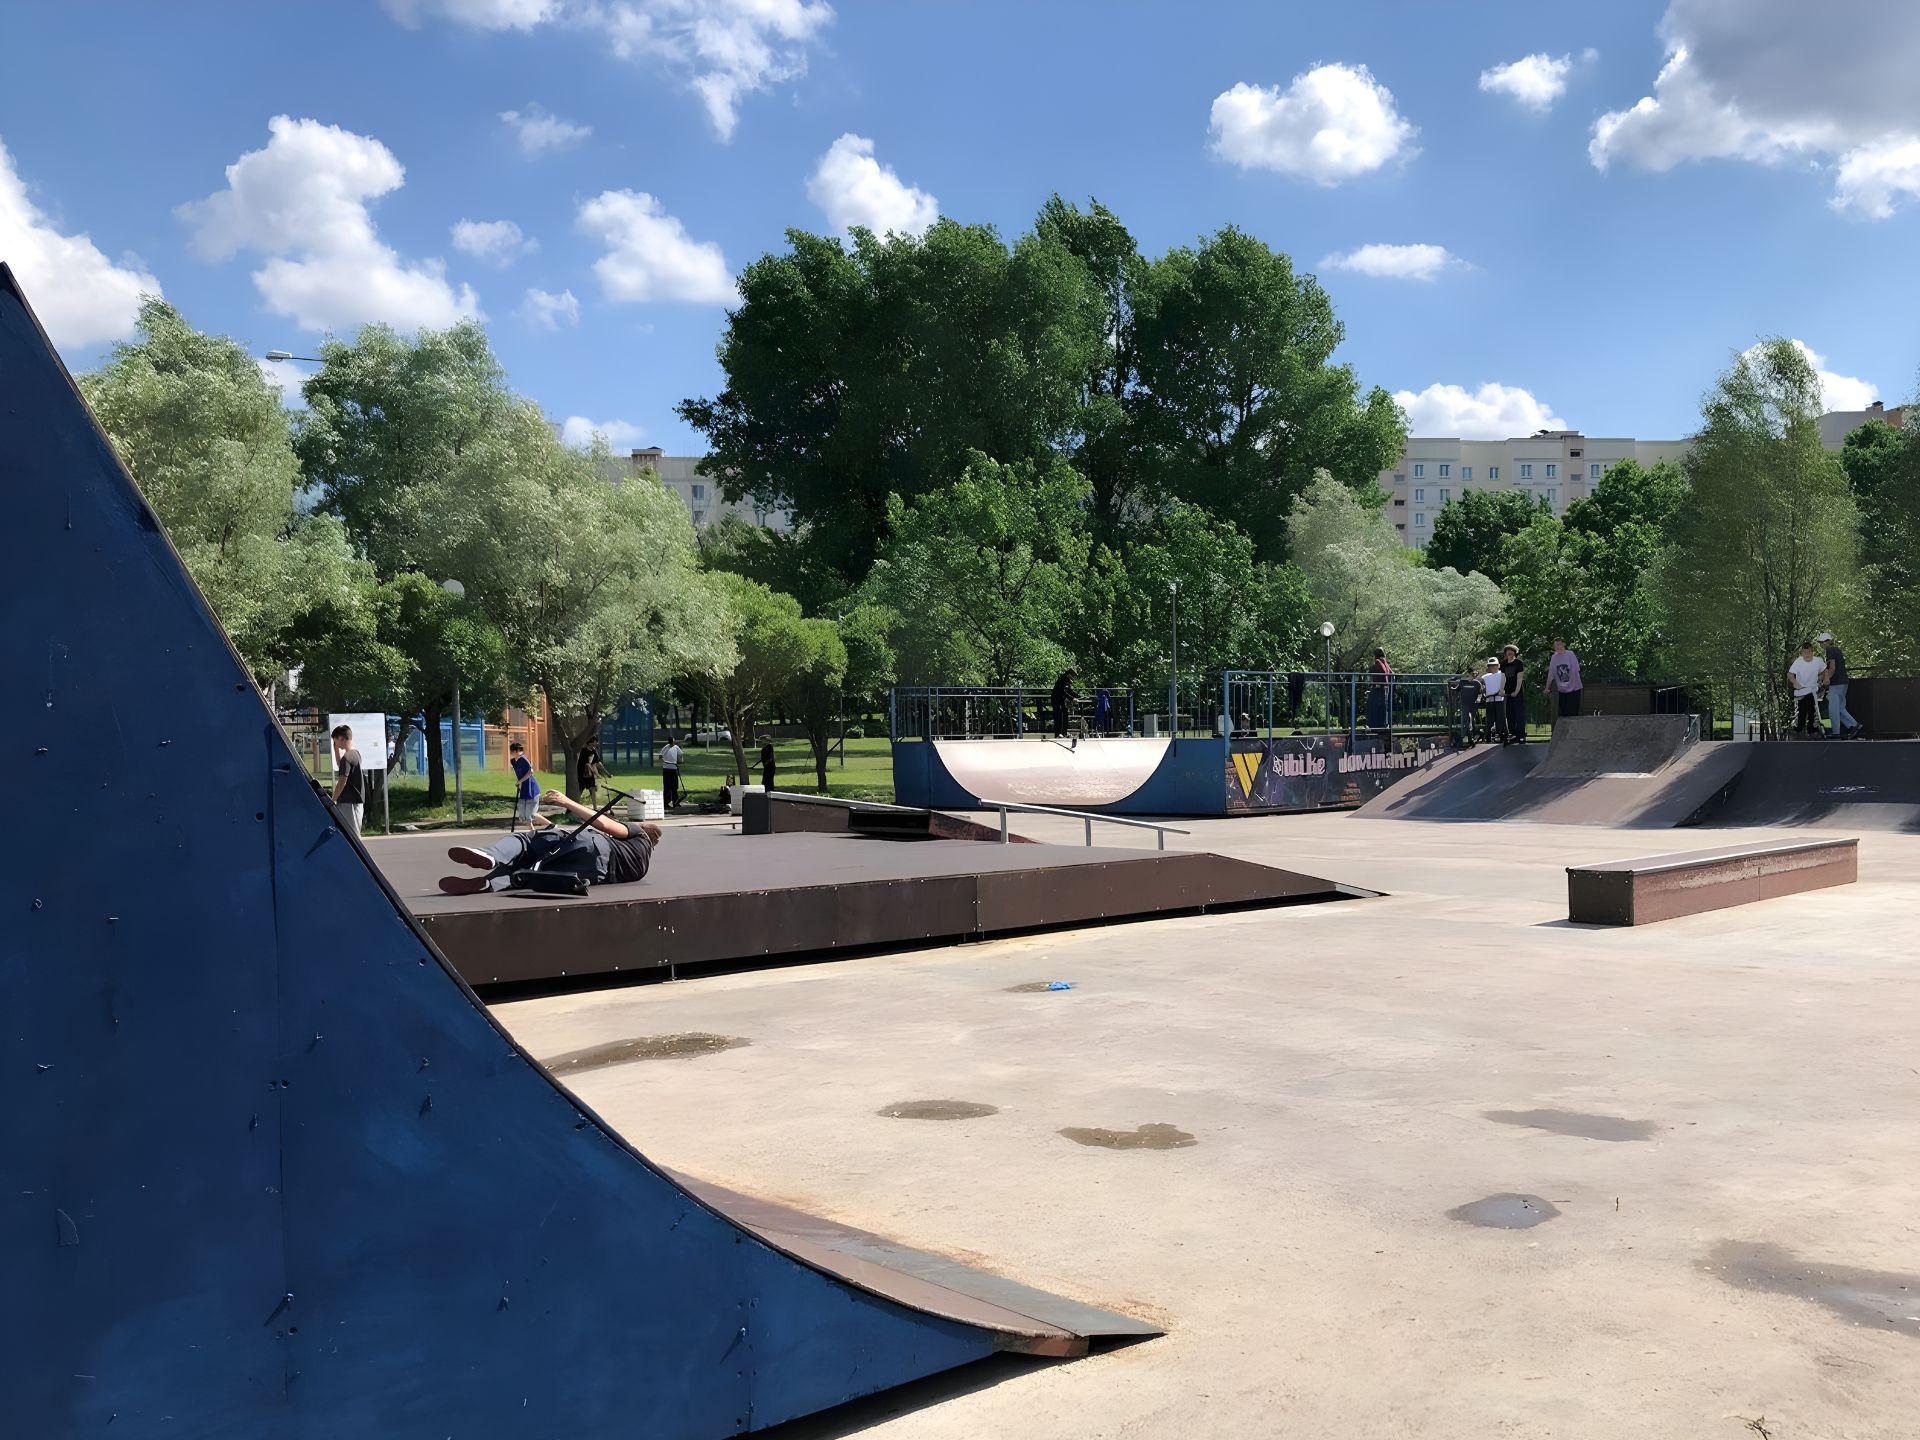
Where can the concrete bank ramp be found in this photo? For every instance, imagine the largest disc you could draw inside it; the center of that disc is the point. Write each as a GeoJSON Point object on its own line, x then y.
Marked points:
{"type": "Point", "coordinates": [1597, 770]}
{"type": "Point", "coordinates": [1850, 784]}
{"type": "Point", "coordinates": [271, 1170]}
{"type": "Point", "coordinates": [1586, 745]}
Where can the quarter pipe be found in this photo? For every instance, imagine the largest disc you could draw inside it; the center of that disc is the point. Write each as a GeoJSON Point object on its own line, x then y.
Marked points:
{"type": "Point", "coordinates": [271, 1170]}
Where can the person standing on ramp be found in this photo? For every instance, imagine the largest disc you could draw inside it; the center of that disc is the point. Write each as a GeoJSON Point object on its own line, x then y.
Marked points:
{"type": "Point", "coordinates": [1803, 677]}
{"type": "Point", "coordinates": [1062, 698]}
{"type": "Point", "coordinates": [1563, 680]}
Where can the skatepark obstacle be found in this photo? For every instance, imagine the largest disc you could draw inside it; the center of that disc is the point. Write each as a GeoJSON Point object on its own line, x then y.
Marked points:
{"type": "Point", "coordinates": [272, 1170]}
{"type": "Point", "coordinates": [1665, 887]}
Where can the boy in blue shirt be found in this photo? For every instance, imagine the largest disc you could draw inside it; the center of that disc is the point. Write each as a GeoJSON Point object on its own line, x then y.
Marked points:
{"type": "Point", "coordinates": [526, 792]}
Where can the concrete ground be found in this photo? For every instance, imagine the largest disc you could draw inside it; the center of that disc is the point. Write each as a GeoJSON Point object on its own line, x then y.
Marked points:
{"type": "Point", "coordinates": [1749, 1268]}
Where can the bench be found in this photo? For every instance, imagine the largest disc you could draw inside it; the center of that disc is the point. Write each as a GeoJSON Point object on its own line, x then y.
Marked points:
{"type": "Point", "coordinates": [1661, 887]}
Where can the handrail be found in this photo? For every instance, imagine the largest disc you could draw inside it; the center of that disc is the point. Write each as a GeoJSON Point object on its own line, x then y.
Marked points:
{"type": "Point", "coordinates": [842, 803]}
{"type": "Point", "coordinates": [1088, 816]}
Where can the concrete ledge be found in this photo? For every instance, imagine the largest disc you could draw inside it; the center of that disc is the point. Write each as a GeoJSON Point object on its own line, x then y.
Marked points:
{"type": "Point", "coordinates": [1662, 887]}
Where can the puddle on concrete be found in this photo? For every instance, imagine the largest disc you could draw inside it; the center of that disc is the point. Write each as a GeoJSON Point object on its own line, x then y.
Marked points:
{"type": "Point", "coordinates": [937, 1110]}
{"type": "Point", "coordinates": [1506, 1212]}
{"type": "Point", "coordinates": [641, 1047]}
{"type": "Point", "coordinates": [1866, 1297]}
{"type": "Point", "coordinates": [1032, 987]}
{"type": "Point", "coordinates": [1144, 1137]}
{"type": "Point", "coordinates": [1572, 1122]}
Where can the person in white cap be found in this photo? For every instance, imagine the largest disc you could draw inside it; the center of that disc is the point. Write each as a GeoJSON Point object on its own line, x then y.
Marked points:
{"type": "Point", "coordinates": [1845, 727]}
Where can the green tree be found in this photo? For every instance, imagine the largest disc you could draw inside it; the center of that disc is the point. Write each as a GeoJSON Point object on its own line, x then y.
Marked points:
{"type": "Point", "coordinates": [866, 631]}
{"type": "Point", "coordinates": [855, 372]}
{"type": "Point", "coordinates": [1236, 612]}
{"type": "Point", "coordinates": [1764, 547]}
{"type": "Point", "coordinates": [1359, 576]}
{"type": "Point", "coordinates": [1882, 465]}
{"type": "Point", "coordinates": [817, 689]}
{"type": "Point", "coordinates": [206, 439]}
{"type": "Point", "coordinates": [595, 588]}
{"type": "Point", "coordinates": [985, 574]}
{"type": "Point", "coordinates": [1468, 532]}
{"type": "Point", "coordinates": [788, 561]}
{"type": "Point", "coordinates": [774, 647]}
{"type": "Point", "coordinates": [1244, 403]}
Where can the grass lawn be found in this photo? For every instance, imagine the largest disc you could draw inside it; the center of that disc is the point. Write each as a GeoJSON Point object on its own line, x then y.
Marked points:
{"type": "Point", "coordinates": [867, 774]}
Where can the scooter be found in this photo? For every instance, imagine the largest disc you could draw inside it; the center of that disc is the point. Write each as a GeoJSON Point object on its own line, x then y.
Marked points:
{"type": "Point", "coordinates": [561, 882]}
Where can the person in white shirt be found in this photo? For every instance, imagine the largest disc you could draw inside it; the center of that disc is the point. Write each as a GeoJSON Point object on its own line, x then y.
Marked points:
{"type": "Point", "coordinates": [1493, 689]}
{"type": "Point", "coordinates": [670, 773]}
{"type": "Point", "coordinates": [1804, 676]}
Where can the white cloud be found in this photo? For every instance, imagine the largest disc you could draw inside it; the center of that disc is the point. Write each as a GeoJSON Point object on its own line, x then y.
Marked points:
{"type": "Point", "coordinates": [724, 50]}
{"type": "Point", "coordinates": [1773, 81]}
{"type": "Point", "coordinates": [481, 14]}
{"type": "Point", "coordinates": [853, 188]}
{"type": "Point", "coordinates": [545, 310]}
{"type": "Point", "coordinates": [538, 132]}
{"type": "Point", "coordinates": [1837, 391]}
{"type": "Point", "coordinates": [80, 295]}
{"type": "Point", "coordinates": [579, 432]}
{"type": "Point", "coordinates": [1332, 123]}
{"type": "Point", "coordinates": [1535, 81]}
{"type": "Point", "coordinates": [302, 201]}
{"type": "Point", "coordinates": [284, 377]}
{"type": "Point", "coordinates": [498, 242]}
{"type": "Point", "coordinates": [650, 256]}
{"type": "Point", "coordinates": [1395, 262]}
{"type": "Point", "coordinates": [1493, 412]}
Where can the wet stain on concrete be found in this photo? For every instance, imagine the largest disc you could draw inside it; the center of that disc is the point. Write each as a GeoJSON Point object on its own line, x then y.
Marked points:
{"type": "Point", "coordinates": [1032, 987]}
{"type": "Point", "coordinates": [641, 1047]}
{"type": "Point", "coordinates": [1572, 1122]}
{"type": "Point", "coordinates": [1881, 1298]}
{"type": "Point", "coordinates": [1505, 1212]}
{"type": "Point", "coordinates": [937, 1110]}
{"type": "Point", "coordinates": [1142, 1137]}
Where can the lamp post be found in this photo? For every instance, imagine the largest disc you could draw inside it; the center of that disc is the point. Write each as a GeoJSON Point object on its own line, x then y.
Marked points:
{"type": "Point", "coordinates": [459, 592]}
{"type": "Point", "coordinates": [1173, 676]}
{"type": "Point", "coordinates": [1326, 634]}
{"type": "Point", "coordinates": [276, 356]}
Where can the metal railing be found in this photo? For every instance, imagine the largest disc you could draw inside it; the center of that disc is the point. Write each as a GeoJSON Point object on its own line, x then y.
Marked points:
{"type": "Point", "coordinates": [1005, 712]}
{"type": "Point", "coordinates": [1259, 704]}
{"type": "Point", "coordinates": [1086, 816]}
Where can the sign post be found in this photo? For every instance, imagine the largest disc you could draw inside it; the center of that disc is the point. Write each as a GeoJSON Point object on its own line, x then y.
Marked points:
{"type": "Point", "coordinates": [373, 752]}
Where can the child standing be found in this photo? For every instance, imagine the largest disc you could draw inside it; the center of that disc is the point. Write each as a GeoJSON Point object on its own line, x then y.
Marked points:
{"type": "Point", "coordinates": [526, 791]}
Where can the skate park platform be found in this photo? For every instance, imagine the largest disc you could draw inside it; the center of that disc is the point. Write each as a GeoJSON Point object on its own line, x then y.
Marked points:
{"type": "Point", "coordinates": [1651, 772]}
{"type": "Point", "coordinates": [718, 898]}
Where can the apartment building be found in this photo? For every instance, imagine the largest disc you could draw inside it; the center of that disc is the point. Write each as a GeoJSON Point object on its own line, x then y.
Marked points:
{"type": "Point", "coordinates": [1559, 466]}
{"type": "Point", "coordinates": [701, 494]}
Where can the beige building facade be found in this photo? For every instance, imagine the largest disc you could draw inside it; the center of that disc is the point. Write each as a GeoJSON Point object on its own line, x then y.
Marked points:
{"type": "Point", "coordinates": [700, 493]}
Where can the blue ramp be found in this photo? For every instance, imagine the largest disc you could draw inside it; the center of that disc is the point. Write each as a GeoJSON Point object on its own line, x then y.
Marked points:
{"type": "Point", "coordinates": [271, 1171]}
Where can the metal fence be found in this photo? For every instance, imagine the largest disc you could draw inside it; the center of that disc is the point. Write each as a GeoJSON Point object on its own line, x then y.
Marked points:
{"type": "Point", "coordinates": [1233, 702]}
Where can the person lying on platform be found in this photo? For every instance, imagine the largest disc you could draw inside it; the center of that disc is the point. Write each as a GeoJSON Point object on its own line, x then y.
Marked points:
{"type": "Point", "coordinates": [607, 852]}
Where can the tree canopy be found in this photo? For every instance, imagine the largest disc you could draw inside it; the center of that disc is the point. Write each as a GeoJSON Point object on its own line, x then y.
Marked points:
{"type": "Point", "coordinates": [1469, 532]}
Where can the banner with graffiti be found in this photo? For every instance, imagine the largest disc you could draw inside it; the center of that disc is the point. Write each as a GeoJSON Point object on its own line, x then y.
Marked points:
{"type": "Point", "coordinates": [1324, 772]}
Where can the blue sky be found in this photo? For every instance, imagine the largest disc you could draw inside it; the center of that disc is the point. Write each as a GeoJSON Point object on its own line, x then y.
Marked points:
{"type": "Point", "coordinates": [1765, 185]}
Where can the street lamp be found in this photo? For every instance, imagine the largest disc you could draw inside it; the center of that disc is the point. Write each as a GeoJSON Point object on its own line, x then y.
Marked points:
{"type": "Point", "coordinates": [278, 355]}
{"type": "Point", "coordinates": [1326, 634]}
{"type": "Point", "coordinates": [459, 592]}
{"type": "Point", "coordinates": [1173, 676]}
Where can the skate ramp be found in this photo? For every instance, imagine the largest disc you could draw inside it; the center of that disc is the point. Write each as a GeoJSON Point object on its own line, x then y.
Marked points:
{"type": "Point", "coordinates": [1093, 772]}
{"type": "Point", "coordinates": [271, 1169]}
{"type": "Point", "coordinates": [1588, 745]}
{"type": "Point", "coordinates": [1520, 783]}
{"type": "Point", "coordinates": [1852, 785]}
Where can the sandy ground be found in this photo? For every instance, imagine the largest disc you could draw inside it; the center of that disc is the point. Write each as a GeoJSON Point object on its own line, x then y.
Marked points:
{"type": "Point", "coordinates": [1754, 1260]}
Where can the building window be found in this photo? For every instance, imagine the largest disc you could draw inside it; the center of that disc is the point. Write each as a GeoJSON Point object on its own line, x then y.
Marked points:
{"type": "Point", "coordinates": [699, 517]}
{"type": "Point", "coordinates": [1553, 471]}
{"type": "Point", "coordinates": [1418, 471]}
{"type": "Point", "coordinates": [1466, 472]}
{"type": "Point", "coordinates": [699, 492]}
{"type": "Point", "coordinates": [1445, 471]}
{"type": "Point", "coordinates": [1493, 472]}
{"type": "Point", "coordinates": [1399, 477]}
{"type": "Point", "coordinates": [1593, 471]}
{"type": "Point", "coordinates": [1419, 518]}
{"type": "Point", "coordinates": [1399, 502]}
{"type": "Point", "coordinates": [1419, 497]}
{"type": "Point", "coordinates": [1553, 497]}
{"type": "Point", "coordinates": [1526, 470]}
{"type": "Point", "coordinates": [1444, 497]}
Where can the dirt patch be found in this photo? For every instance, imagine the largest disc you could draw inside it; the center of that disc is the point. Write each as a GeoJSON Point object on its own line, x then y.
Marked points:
{"type": "Point", "coordinates": [1572, 1122]}
{"type": "Point", "coordinates": [1505, 1212]}
{"type": "Point", "coordinates": [936, 1110]}
{"type": "Point", "coordinates": [1035, 987]}
{"type": "Point", "coordinates": [1142, 1137]}
{"type": "Point", "coordinates": [641, 1047]}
